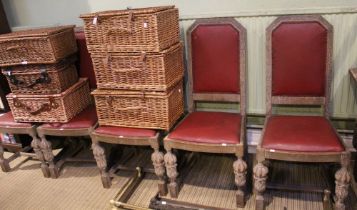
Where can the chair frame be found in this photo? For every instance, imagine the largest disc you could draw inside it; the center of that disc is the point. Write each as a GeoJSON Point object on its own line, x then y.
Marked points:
{"type": "Point", "coordinates": [157, 157]}
{"type": "Point", "coordinates": [260, 170]}
{"type": "Point", "coordinates": [35, 144]}
{"type": "Point", "coordinates": [46, 146]}
{"type": "Point", "coordinates": [239, 165]}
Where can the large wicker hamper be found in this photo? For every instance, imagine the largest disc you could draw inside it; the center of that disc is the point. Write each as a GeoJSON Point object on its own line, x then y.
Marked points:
{"type": "Point", "coordinates": [51, 108]}
{"type": "Point", "coordinates": [37, 46]}
{"type": "Point", "coordinates": [155, 110]}
{"type": "Point", "coordinates": [139, 71]}
{"type": "Point", "coordinates": [133, 30]}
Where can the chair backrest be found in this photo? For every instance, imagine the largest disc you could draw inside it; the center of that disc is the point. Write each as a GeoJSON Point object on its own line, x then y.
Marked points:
{"type": "Point", "coordinates": [217, 61]}
{"type": "Point", "coordinates": [299, 51]}
{"type": "Point", "coordinates": [84, 64]}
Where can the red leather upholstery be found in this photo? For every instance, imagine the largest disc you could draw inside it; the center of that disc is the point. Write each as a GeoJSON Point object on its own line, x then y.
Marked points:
{"type": "Point", "coordinates": [85, 119]}
{"type": "Point", "coordinates": [215, 59]}
{"type": "Point", "coordinates": [7, 120]}
{"type": "Point", "coordinates": [301, 134]}
{"type": "Point", "coordinates": [209, 127]}
{"type": "Point", "coordinates": [125, 132]}
{"type": "Point", "coordinates": [299, 53]}
{"type": "Point", "coordinates": [85, 65]}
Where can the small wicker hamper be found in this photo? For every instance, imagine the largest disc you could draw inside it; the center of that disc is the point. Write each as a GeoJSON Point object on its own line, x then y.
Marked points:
{"type": "Point", "coordinates": [37, 46]}
{"type": "Point", "coordinates": [41, 79]}
{"type": "Point", "coordinates": [51, 108]}
{"type": "Point", "coordinates": [139, 71]}
{"type": "Point", "coordinates": [134, 30]}
{"type": "Point", "coordinates": [155, 110]}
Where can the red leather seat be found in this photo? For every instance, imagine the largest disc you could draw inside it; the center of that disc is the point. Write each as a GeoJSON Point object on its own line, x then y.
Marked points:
{"type": "Point", "coordinates": [125, 132]}
{"type": "Point", "coordinates": [85, 119]}
{"type": "Point", "coordinates": [209, 127]}
{"type": "Point", "coordinates": [301, 134]}
{"type": "Point", "coordinates": [7, 120]}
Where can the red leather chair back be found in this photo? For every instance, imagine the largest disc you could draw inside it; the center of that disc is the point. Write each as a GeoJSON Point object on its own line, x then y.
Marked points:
{"type": "Point", "coordinates": [85, 65]}
{"type": "Point", "coordinates": [299, 59]}
{"type": "Point", "coordinates": [215, 58]}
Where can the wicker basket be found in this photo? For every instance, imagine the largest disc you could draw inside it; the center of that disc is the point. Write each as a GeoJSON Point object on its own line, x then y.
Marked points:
{"type": "Point", "coordinates": [155, 110]}
{"type": "Point", "coordinates": [37, 46]}
{"type": "Point", "coordinates": [134, 30]}
{"type": "Point", "coordinates": [51, 108]}
{"type": "Point", "coordinates": [41, 79]}
{"type": "Point", "coordinates": [139, 71]}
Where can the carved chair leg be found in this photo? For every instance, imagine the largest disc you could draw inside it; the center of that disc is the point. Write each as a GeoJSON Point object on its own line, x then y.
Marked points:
{"type": "Point", "coordinates": [171, 170]}
{"type": "Point", "coordinates": [36, 145]}
{"type": "Point", "coordinates": [342, 181]}
{"type": "Point", "coordinates": [240, 172]}
{"type": "Point", "coordinates": [46, 147]}
{"type": "Point", "coordinates": [260, 175]}
{"type": "Point", "coordinates": [4, 163]}
{"type": "Point", "coordinates": [100, 158]}
{"type": "Point", "coordinates": [157, 158]}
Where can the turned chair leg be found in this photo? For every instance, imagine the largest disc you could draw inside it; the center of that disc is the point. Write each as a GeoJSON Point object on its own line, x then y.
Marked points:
{"type": "Point", "coordinates": [36, 145]}
{"type": "Point", "coordinates": [260, 175]}
{"type": "Point", "coordinates": [171, 170]}
{"type": "Point", "coordinates": [240, 172]}
{"type": "Point", "coordinates": [342, 181]}
{"type": "Point", "coordinates": [46, 148]}
{"type": "Point", "coordinates": [157, 158]}
{"type": "Point", "coordinates": [4, 163]}
{"type": "Point", "coordinates": [100, 158]}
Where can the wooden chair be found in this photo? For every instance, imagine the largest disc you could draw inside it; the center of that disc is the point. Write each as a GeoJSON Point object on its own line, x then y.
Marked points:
{"type": "Point", "coordinates": [80, 126]}
{"type": "Point", "coordinates": [217, 65]}
{"type": "Point", "coordinates": [299, 51]}
{"type": "Point", "coordinates": [127, 136]}
{"type": "Point", "coordinates": [8, 125]}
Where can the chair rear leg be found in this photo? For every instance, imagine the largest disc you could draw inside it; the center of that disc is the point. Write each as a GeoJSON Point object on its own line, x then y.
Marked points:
{"type": "Point", "coordinates": [342, 180]}
{"type": "Point", "coordinates": [240, 172]}
{"type": "Point", "coordinates": [46, 147]}
{"type": "Point", "coordinates": [4, 163]}
{"type": "Point", "coordinates": [171, 170]}
{"type": "Point", "coordinates": [260, 175]}
{"type": "Point", "coordinates": [100, 158]}
{"type": "Point", "coordinates": [36, 145]}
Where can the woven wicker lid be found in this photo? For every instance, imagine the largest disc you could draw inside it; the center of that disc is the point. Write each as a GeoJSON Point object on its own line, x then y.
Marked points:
{"type": "Point", "coordinates": [38, 32]}
{"type": "Point", "coordinates": [80, 83]}
{"type": "Point", "coordinates": [134, 93]}
{"type": "Point", "coordinates": [127, 11]}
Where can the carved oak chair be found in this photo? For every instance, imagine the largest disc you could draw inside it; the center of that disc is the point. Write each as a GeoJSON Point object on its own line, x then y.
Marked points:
{"type": "Point", "coordinates": [299, 50]}
{"type": "Point", "coordinates": [217, 65]}
{"type": "Point", "coordinates": [8, 125]}
{"type": "Point", "coordinates": [127, 136]}
{"type": "Point", "coordinates": [80, 126]}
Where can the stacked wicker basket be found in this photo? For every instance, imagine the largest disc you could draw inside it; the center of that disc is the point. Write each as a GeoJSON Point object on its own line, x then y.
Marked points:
{"type": "Point", "coordinates": [138, 63]}
{"type": "Point", "coordinates": [39, 66]}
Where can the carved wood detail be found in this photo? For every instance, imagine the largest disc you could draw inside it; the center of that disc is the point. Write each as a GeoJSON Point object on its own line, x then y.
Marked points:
{"type": "Point", "coordinates": [171, 170]}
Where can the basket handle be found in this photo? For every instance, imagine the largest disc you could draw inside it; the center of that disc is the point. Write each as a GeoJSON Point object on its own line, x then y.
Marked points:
{"type": "Point", "coordinates": [122, 29]}
{"type": "Point", "coordinates": [43, 79]}
{"type": "Point", "coordinates": [15, 47]}
{"type": "Point", "coordinates": [110, 103]}
{"type": "Point", "coordinates": [44, 107]}
{"type": "Point", "coordinates": [141, 67]}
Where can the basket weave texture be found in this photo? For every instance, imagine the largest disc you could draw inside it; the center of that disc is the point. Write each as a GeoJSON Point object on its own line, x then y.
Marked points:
{"type": "Point", "coordinates": [155, 110]}
{"type": "Point", "coordinates": [41, 79]}
{"type": "Point", "coordinates": [59, 108]}
{"type": "Point", "coordinates": [139, 71]}
{"type": "Point", "coordinates": [37, 46]}
{"type": "Point", "coordinates": [134, 30]}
